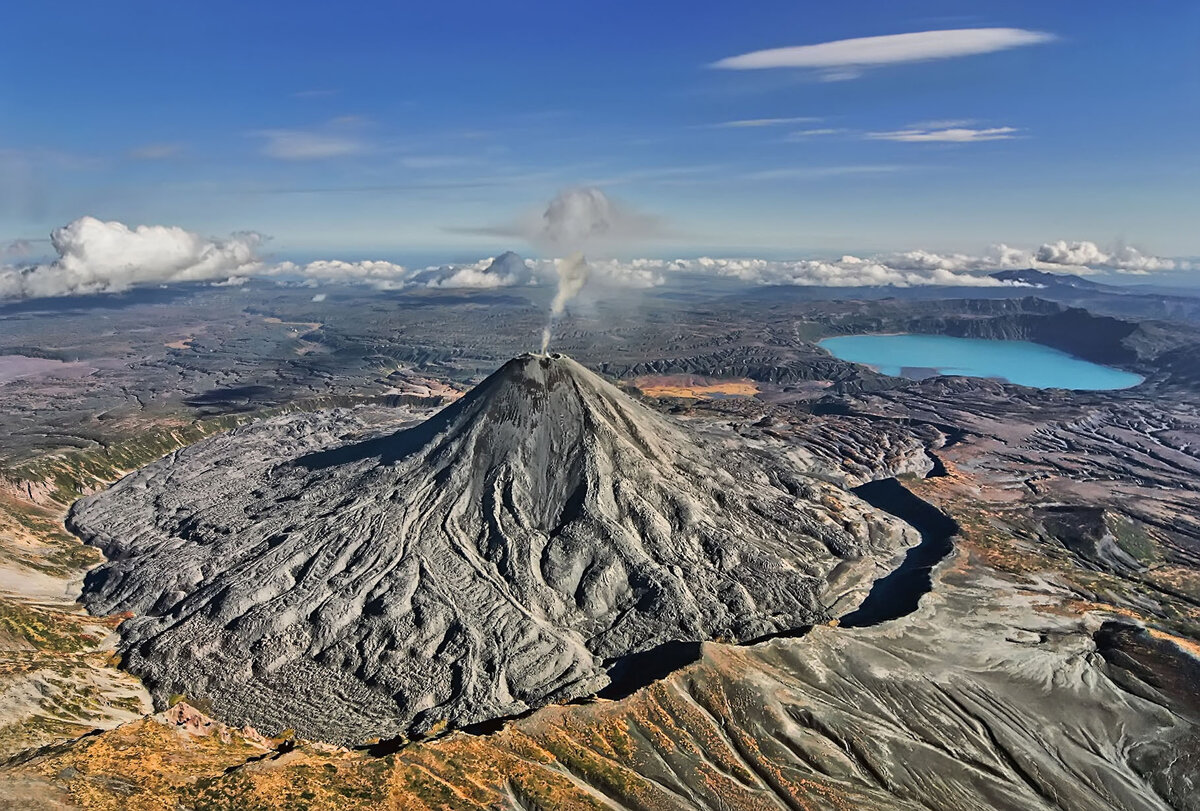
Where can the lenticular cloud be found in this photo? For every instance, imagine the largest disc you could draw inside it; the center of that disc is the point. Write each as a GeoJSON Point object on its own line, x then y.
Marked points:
{"type": "Point", "coordinates": [849, 58]}
{"type": "Point", "coordinates": [918, 46]}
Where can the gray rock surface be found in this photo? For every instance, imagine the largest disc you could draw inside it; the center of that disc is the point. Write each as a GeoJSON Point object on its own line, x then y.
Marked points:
{"type": "Point", "coordinates": [494, 558]}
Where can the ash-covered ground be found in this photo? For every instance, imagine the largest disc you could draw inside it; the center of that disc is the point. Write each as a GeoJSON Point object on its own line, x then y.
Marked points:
{"type": "Point", "coordinates": [1051, 664]}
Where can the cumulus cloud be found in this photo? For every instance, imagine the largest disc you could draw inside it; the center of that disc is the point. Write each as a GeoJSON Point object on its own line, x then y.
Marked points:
{"type": "Point", "coordinates": [846, 58]}
{"type": "Point", "coordinates": [379, 274]}
{"type": "Point", "coordinates": [110, 257]}
{"type": "Point", "coordinates": [106, 257]}
{"type": "Point", "coordinates": [957, 135]}
{"type": "Point", "coordinates": [470, 277]}
{"type": "Point", "coordinates": [505, 270]}
{"type": "Point", "coordinates": [635, 274]}
{"type": "Point", "coordinates": [1123, 258]}
{"type": "Point", "coordinates": [914, 268]}
{"type": "Point", "coordinates": [1080, 258]}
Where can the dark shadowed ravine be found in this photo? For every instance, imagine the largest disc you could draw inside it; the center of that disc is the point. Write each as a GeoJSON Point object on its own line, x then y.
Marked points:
{"type": "Point", "coordinates": [899, 592]}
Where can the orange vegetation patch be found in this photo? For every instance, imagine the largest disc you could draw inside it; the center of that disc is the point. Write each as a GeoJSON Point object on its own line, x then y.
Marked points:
{"type": "Point", "coordinates": [1147, 620]}
{"type": "Point", "coordinates": [309, 326]}
{"type": "Point", "coordinates": [1178, 641]}
{"type": "Point", "coordinates": [690, 387]}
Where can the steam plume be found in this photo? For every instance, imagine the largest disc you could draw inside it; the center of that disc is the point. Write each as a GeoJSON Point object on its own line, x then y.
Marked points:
{"type": "Point", "coordinates": [572, 276]}
{"type": "Point", "coordinates": [573, 221]}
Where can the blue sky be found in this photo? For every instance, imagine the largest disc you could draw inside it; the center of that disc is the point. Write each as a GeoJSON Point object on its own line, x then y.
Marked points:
{"type": "Point", "coordinates": [378, 129]}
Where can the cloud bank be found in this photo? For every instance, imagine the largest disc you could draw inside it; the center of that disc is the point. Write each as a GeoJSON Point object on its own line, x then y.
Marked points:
{"type": "Point", "coordinates": [848, 271]}
{"type": "Point", "coordinates": [917, 268]}
{"type": "Point", "coordinates": [107, 257]}
{"type": "Point", "coordinates": [506, 270]}
{"type": "Point", "coordinates": [378, 274]}
{"type": "Point", "coordinates": [1087, 254]}
{"type": "Point", "coordinates": [846, 58]}
{"type": "Point", "coordinates": [110, 257]}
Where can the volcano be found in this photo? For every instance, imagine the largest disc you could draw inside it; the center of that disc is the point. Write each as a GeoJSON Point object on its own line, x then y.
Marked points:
{"type": "Point", "coordinates": [502, 555]}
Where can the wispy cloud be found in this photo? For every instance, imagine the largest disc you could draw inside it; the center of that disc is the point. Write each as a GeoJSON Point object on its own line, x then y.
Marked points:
{"type": "Point", "coordinates": [763, 122]}
{"type": "Point", "coordinates": [802, 135]}
{"type": "Point", "coordinates": [817, 172]}
{"type": "Point", "coordinates": [307, 145]}
{"type": "Point", "coordinates": [155, 152]}
{"type": "Point", "coordinates": [319, 93]}
{"type": "Point", "coordinates": [954, 135]}
{"type": "Point", "coordinates": [16, 249]}
{"type": "Point", "coordinates": [942, 123]}
{"type": "Point", "coordinates": [378, 188]}
{"type": "Point", "coordinates": [846, 58]}
{"type": "Point", "coordinates": [434, 161]}
{"type": "Point", "coordinates": [662, 175]}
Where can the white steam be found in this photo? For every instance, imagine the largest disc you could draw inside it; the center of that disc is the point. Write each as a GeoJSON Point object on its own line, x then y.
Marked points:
{"type": "Point", "coordinates": [572, 274]}
{"type": "Point", "coordinates": [574, 221]}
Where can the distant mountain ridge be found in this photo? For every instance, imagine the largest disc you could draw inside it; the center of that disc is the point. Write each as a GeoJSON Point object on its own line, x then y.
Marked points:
{"type": "Point", "coordinates": [1040, 278]}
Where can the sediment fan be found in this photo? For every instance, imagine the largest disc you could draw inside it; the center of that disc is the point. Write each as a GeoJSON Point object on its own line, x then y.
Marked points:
{"type": "Point", "coordinates": [489, 560]}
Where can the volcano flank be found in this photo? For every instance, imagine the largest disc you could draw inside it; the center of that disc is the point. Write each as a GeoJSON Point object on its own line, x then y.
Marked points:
{"type": "Point", "coordinates": [500, 556]}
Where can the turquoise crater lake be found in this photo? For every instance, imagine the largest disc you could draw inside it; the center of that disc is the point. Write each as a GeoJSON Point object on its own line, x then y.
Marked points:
{"type": "Point", "coordinates": [1022, 362]}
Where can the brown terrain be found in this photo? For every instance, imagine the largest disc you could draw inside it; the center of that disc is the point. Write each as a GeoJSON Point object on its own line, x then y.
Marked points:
{"type": "Point", "coordinates": [809, 722]}
{"type": "Point", "coordinates": [1053, 664]}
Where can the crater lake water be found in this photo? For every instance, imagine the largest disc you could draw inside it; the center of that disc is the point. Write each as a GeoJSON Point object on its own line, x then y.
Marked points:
{"type": "Point", "coordinates": [1022, 362]}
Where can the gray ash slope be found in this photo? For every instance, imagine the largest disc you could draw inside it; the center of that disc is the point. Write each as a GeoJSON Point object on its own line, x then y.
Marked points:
{"type": "Point", "coordinates": [489, 560]}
